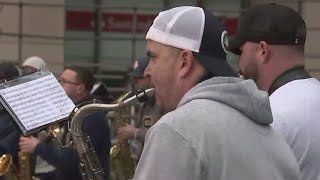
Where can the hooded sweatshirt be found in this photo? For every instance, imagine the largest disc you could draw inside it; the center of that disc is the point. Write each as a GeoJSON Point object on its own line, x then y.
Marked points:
{"type": "Point", "coordinates": [220, 130]}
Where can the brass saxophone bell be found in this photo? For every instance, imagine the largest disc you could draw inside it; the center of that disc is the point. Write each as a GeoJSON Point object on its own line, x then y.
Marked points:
{"type": "Point", "coordinates": [7, 168]}
{"type": "Point", "coordinates": [5, 163]}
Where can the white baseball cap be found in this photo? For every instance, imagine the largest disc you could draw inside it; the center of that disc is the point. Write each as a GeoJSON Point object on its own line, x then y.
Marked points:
{"type": "Point", "coordinates": [197, 30]}
{"type": "Point", "coordinates": [35, 62]}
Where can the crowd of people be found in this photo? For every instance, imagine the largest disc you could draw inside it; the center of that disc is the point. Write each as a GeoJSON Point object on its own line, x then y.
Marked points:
{"type": "Point", "coordinates": [204, 122]}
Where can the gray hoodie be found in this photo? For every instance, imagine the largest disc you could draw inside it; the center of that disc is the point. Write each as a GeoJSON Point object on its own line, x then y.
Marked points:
{"type": "Point", "coordinates": [219, 131]}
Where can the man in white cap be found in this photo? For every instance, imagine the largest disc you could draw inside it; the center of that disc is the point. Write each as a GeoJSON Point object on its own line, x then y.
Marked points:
{"type": "Point", "coordinates": [33, 64]}
{"type": "Point", "coordinates": [216, 126]}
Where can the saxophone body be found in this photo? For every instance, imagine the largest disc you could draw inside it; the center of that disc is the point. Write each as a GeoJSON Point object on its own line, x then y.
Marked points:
{"type": "Point", "coordinates": [10, 172]}
{"type": "Point", "coordinates": [89, 163]}
{"type": "Point", "coordinates": [24, 167]}
{"type": "Point", "coordinates": [121, 164]}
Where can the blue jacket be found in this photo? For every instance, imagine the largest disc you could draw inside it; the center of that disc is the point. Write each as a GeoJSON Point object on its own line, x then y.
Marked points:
{"type": "Point", "coordinates": [66, 160]}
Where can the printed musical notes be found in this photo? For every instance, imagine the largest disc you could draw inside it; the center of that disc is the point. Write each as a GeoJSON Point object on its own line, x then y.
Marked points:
{"type": "Point", "coordinates": [38, 102]}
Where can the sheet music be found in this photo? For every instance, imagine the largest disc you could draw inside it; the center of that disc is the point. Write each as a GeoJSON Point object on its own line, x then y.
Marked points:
{"type": "Point", "coordinates": [38, 102]}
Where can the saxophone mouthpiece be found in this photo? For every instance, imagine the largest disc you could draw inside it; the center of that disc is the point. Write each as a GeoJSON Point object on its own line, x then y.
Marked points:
{"type": "Point", "coordinates": [142, 96]}
{"type": "Point", "coordinates": [148, 92]}
{"type": "Point", "coordinates": [145, 95]}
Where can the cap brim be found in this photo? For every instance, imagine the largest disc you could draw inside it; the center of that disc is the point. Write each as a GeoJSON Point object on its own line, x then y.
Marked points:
{"type": "Point", "coordinates": [216, 66]}
{"type": "Point", "coordinates": [235, 42]}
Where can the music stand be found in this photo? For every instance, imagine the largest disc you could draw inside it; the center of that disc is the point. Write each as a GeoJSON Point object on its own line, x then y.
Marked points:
{"type": "Point", "coordinates": [35, 101]}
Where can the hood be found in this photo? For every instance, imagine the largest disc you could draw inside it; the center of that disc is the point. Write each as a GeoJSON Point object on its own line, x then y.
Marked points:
{"type": "Point", "coordinates": [239, 94]}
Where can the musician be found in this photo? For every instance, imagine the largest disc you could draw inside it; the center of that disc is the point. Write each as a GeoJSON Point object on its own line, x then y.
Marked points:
{"type": "Point", "coordinates": [272, 54]}
{"type": "Point", "coordinates": [100, 92]}
{"type": "Point", "coordinates": [33, 64]}
{"type": "Point", "coordinates": [9, 132]}
{"type": "Point", "coordinates": [216, 126]}
{"type": "Point", "coordinates": [148, 114]}
{"type": "Point", "coordinates": [77, 82]}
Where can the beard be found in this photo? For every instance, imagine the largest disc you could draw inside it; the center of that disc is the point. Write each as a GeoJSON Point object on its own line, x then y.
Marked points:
{"type": "Point", "coordinates": [249, 72]}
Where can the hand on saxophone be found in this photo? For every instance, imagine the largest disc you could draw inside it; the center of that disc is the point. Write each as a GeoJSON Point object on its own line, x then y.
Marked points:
{"type": "Point", "coordinates": [126, 132]}
{"type": "Point", "coordinates": [27, 145]}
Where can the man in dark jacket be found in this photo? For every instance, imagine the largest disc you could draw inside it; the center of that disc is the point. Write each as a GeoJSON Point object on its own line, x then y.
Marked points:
{"type": "Point", "coordinates": [77, 82]}
{"type": "Point", "coordinates": [9, 133]}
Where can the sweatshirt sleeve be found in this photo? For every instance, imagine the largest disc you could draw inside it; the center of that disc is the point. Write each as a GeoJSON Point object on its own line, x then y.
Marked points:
{"type": "Point", "coordinates": [167, 155]}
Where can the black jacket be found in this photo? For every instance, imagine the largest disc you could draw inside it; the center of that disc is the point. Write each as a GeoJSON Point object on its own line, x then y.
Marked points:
{"type": "Point", "coordinates": [9, 134]}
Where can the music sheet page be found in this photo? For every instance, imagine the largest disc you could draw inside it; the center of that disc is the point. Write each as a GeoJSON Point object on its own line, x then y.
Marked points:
{"type": "Point", "coordinates": [38, 102]}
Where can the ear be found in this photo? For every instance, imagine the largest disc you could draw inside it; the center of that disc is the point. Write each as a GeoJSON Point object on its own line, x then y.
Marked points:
{"type": "Point", "coordinates": [263, 52]}
{"type": "Point", "coordinates": [186, 63]}
{"type": "Point", "coordinates": [81, 88]}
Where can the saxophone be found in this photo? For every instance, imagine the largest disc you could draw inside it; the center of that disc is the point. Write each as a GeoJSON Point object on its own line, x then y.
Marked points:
{"type": "Point", "coordinates": [121, 165]}
{"type": "Point", "coordinates": [24, 167]}
{"type": "Point", "coordinates": [7, 169]}
{"type": "Point", "coordinates": [89, 164]}
{"type": "Point", "coordinates": [11, 172]}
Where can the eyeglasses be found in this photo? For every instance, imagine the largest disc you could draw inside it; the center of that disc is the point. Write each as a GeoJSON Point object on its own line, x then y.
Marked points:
{"type": "Point", "coordinates": [63, 81]}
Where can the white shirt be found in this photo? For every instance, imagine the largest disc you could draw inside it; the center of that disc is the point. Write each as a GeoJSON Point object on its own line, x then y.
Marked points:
{"type": "Point", "coordinates": [296, 113]}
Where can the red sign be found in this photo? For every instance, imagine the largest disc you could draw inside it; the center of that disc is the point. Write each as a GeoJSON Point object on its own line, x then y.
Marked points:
{"type": "Point", "coordinates": [123, 22]}
{"type": "Point", "coordinates": [116, 22]}
{"type": "Point", "coordinates": [112, 22]}
{"type": "Point", "coordinates": [79, 20]}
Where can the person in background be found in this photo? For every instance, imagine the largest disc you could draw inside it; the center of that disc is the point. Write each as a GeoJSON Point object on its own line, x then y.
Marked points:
{"type": "Point", "coordinates": [33, 64]}
{"type": "Point", "coordinates": [100, 92]}
{"type": "Point", "coordinates": [42, 168]}
{"type": "Point", "coordinates": [148, 115]}
{"type": "Point", "coordinates": [9, 131]}
{"type": "Point", "coordinates": [77, 82]}
{"type": "Point", "coordinates": [271, 41]}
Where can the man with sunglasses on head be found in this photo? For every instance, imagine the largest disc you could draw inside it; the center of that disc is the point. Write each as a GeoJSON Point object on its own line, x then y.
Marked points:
{"type": "Point", "coordinates": [271, 41]}
{"type": "Point", "coordinates": [77, 83]}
